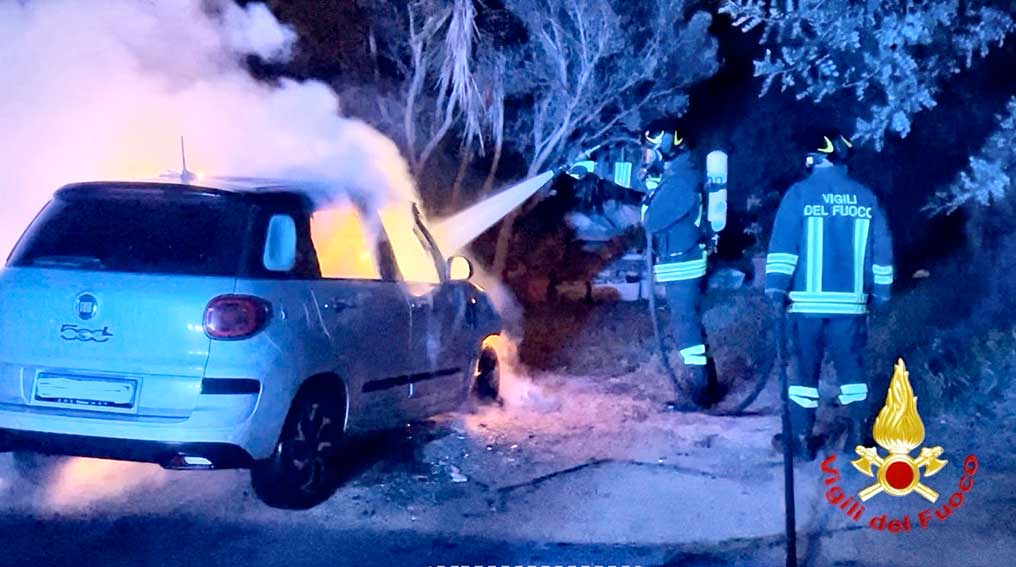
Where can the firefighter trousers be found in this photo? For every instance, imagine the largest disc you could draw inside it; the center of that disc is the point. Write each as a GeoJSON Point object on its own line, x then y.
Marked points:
{"type": "Point", "coordinates": [843, 337]}
{"type": "Point", "coordinates": [684, 299]}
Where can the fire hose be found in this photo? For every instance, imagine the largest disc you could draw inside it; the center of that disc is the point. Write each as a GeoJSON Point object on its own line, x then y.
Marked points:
{"type": "Point", "coordinates": [737, 408]}
{"type": "Point", "coordinates": [790, 513]}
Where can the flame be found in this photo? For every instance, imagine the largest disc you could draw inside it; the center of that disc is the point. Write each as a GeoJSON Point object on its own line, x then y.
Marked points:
{"type": "Point", "coordinates": [344, 243]}
{"type": "Point", "coordinates": [517, 388]}
{"type": "Point", "coordinates": [412, 253]}
{"type": "Point", "coordinates": [898, 427]}
{"type": "Point", "coordinates": [507, 357]}
{"type": "Point", "coordinates": [81, 482]}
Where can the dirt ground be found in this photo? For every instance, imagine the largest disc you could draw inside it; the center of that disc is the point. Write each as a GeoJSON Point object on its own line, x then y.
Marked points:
{"type": "Point", "coordinates": [579, 466]}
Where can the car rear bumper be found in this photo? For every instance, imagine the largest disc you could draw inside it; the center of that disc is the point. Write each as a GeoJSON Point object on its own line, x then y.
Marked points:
{"type": "Point", "coordinates": [219, 421]}
{"type": "Point", "coordinates": [167, 454]}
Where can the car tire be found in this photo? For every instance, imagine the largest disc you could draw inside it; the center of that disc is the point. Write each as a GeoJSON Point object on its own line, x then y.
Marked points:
{"type": "Point", "coordinates": [487, 382]}
{"type": "Point", "coordinates": [304, 470]}
{"type": "Point", "coordinates": [36, 468]}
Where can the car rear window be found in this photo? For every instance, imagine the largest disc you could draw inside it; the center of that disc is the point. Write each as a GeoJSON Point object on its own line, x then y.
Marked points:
{"type": "Point", "coordinates": [193, 236]}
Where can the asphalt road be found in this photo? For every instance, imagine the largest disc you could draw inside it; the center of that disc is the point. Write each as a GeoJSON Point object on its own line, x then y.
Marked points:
{"type": "Point", "coordinates": [195, 540]}
{"type": "Point", "coordinates": [540, 488]}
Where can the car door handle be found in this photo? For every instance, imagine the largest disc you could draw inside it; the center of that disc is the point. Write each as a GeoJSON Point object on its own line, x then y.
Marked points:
{"type": "Point", "coordinates": [339, 305]}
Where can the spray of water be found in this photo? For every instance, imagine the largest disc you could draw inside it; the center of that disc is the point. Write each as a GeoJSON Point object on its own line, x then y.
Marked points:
{"type": "Point", "coordinates": [453, 234]}
{"type": "Point", "coordinates": [458, 230]}
{"type": "Point", "coordinates": [104, 90]}
{"type": "Point", "coordinates": [99, 90]}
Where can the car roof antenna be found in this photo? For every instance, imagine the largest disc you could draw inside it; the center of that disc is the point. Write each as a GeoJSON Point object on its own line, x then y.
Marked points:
{"type": "Point", "coordinates": [185, 176]}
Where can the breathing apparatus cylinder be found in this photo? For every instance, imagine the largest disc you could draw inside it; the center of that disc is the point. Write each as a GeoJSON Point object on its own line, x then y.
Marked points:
{"type": "Point", "coordinates": [716, 181]}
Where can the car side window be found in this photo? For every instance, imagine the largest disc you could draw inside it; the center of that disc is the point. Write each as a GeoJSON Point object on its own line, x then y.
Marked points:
{"type": "Point", "coordinates": [345, 245]}
{"type": "Point", "coordinates": [413, 252]}
{"type": "Point", "coordinates": [305, 266]}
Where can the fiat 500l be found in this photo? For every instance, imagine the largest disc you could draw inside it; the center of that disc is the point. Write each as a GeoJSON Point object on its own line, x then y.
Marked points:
{"type": "Point", "coordinates": [231, 325]}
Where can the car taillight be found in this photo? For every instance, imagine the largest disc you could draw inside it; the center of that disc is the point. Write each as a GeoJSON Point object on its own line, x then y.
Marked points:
{"type": "Point", "coordinates": [233, 317]}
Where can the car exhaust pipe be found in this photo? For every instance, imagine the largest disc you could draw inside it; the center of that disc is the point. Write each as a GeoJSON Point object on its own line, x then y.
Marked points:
{"type": "Point", "coordinates": [183, 462]}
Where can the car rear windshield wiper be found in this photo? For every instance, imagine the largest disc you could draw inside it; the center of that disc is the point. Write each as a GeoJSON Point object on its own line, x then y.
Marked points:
{"type": "Point", "coordinates": [69, 262]}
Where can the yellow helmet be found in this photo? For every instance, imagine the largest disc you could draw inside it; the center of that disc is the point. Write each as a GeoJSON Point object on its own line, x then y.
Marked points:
{"type": "Point", "coordinates": [667, 142]}
{"type": "Point", "coordinates": [835, 144]}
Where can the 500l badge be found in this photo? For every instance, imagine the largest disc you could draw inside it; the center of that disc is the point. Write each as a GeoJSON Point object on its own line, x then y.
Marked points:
{"type": "Point", "coordinates": [70, 332]}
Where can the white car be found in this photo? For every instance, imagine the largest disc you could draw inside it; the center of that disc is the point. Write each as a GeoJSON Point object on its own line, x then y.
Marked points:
{"type": "Point", "coordinates": [230, 324]}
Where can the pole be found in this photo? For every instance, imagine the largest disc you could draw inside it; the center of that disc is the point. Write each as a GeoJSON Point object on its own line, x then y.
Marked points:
{"type": "Point", "coordinates": [788, 454]}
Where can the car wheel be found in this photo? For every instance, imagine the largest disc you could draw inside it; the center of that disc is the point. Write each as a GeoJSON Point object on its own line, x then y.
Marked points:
{"type": "Point", "coordinates": [36, 468]}
{"type": "Point", "coordinates": [303, 471]}
{"type": "Point", "coordinates": [487, 382]}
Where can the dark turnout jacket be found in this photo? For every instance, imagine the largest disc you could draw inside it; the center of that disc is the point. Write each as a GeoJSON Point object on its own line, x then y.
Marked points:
{"type": "Point", "coordinates": [673, 216]}
{"type": "Point", "coordinates": [830, 246]}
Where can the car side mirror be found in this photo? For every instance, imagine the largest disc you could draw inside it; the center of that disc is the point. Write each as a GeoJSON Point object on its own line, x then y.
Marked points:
{"type": "Point", "coordinates": [280, 244]}
{"type": "Point", "coordinates": [459, 268]}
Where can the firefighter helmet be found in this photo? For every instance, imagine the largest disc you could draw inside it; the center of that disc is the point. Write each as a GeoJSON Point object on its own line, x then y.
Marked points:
{"type": "Point", "coordinates": [830, 146]}
{"type": "Point", "coordinates": [666, 142]}
{"type": "Point", "coordinates": [836, 144]}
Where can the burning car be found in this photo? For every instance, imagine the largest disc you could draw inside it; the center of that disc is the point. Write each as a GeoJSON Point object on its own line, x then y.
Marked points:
{"type": "Point", "coordinates": [232, 323]}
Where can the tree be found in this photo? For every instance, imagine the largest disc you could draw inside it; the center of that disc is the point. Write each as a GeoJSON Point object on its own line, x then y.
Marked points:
{"type": "Point", "coordinates": [430, 47]}
{"type": "Point", "coordinates": [587, 74]}
{"type": "Point", "coordinates": [491, 78]}
{"type": "Point", "coordinates": [986, 182]}
{"type": "Point", "coordinates": [436, 81]}
{"type": "Point", "coordinates": [891, 56]}
{"type": "Point", "coordinates": [990, 174]}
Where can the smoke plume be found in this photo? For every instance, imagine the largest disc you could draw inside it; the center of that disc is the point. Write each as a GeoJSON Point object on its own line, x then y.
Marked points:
{"type": "Point", "coordinates": [104, 90]}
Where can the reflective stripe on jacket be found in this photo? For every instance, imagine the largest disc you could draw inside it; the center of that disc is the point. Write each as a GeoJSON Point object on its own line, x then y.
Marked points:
{"type": "Point", "coordinates": [830, 246]}
{"type": "Point", "coordinates": [689, 267]}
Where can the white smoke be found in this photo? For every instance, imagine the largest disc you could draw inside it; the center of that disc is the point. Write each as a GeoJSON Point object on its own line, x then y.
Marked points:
{"type": "Point", "coordinates": [104, 90]}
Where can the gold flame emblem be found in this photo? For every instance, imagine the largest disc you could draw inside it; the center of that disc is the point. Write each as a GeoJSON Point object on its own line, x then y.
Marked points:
{"type": "Point", "coordinates": [899, 430]}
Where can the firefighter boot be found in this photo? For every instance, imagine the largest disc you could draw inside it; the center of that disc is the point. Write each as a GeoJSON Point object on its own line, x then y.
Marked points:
{"type": "Point", "coordinates": [685, 377]}
{"type": "Point", "coordinates": [858, 426]}
{"type": "Point", "coordinates": [708, 391]}
{"type": "Point", "coordinates": [697, 387]}
{"type": "Point", "coordinates": [805, 446]}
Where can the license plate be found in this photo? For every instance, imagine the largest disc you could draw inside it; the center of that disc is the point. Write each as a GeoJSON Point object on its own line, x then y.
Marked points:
{"type": "Point", "coordinates": [86, 392]}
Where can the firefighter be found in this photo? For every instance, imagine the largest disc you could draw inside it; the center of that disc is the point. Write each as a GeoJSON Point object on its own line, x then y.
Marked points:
{"type": "Point", "coordinates": [673, 214]}
{"type": "Point", "coordinates": [829, 255]}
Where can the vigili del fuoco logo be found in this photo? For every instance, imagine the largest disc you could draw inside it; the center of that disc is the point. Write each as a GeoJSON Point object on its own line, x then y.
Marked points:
{"type": "Point", "coordinates": [898, 429]}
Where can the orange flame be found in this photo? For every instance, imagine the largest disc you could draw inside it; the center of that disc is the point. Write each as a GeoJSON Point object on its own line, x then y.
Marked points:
{"type": "Point", "coordinates": [80, 482]}
{"type": "Point", "coordinates": [898, 427]}
{"type": "Point", "coordinates": [344, 243]}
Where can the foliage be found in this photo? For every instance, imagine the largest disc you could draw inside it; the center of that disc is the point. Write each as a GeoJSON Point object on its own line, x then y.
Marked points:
{"type": "Point", "coordinates": [891, 56]}
{"type": "Point", "coordinates": [434, 90]}
{"type": "Point", "coordinates": [587, 72]}
{"type": "Point", "coordinates": [960, 347]}
{"type": "Point", "coordinates": [591, 74]}
{"type": "Point", "coordinates": [978, 373]}
{"type": "Point", "coordinates": [542, 79]}
{"type": "Point", "coordinates": [991, 172]}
